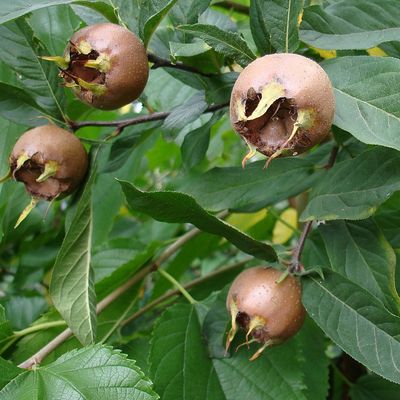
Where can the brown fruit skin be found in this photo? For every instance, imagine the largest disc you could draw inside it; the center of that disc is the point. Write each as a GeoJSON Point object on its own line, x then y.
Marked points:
{"type": "Point", "coordinates": [306, 84]}
{"type": "Point", "coordinates": [257, 294]}
{"type": "Point", "coordinates": [127, 78]}
{"type": "Point", "coordinates": [50, 143]}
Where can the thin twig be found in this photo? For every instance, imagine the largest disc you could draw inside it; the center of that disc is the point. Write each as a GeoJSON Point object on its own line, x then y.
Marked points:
{"type": "Point", "coordinates": [120, 125]}
{"type": "Point", "coordinates": [63, 336]}
{"type": "Point", "coordinates": [295, 265]}
{"type": "Point", "coordinates": [231, 5]}
{"type": "Point", "coordinates": [159, 62]}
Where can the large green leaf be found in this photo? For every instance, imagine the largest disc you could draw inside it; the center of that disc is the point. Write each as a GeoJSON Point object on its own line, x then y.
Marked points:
{"type": "Point", "coordinates": [18, 106]}
{"type": "Point", "coordinates": [72, 286]}
{"type": "Point", "coordinates": [181, 368]}
{"type": "Point", "coordinates": [388, 219]}
{"type": "Point", "coordinates": [179, 207]}
{"type": "Point", "coordinates": [353, 189]}
{"type": "Point", "coordinates": [38, 77]}
{"type": "Point", "coordinates": [372, 387]}
{"type": "Point", "coordinates": [5, 327]}
{"type": "Point", "coordinates": [360, 252]}
{"type": "Point", "coordinates": [351, 24]}
{"type": "Point", "coordinates": [8, 372]}
{"type": "Point", "coordinates": [235, 187]}
{"type": "Point", "coordinates": [92, 372]}
{"type": "Point", "coordinates": [150, 15]}
{"type": "Point", "coordinates": [230, 44]}
{"type": "Point", "coordinates": [367, 91]}
{"type": "Point", "coordinates": [277, 20]}
{"type": "Point", "coordinates": [356, 321]}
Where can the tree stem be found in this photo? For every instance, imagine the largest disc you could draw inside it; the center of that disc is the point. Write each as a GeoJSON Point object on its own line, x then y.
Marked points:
{"type": "Point", "coordinates": [179, 287]}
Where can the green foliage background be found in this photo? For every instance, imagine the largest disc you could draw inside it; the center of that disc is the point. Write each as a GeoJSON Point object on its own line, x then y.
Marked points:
{"type": "Point", "coordinates": [172, 194]}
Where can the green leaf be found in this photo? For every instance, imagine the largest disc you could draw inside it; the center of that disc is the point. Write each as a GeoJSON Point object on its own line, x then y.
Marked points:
{"type": "Point", "coordinates": [179, 207]}
{"type": "Point", "coordinates": [367, 91]}
{"type": "Point", "coordinates": [275, 22]}
{"type": "Point", "coordinates": [5, 326]}
{"type": "Point", "coordinates": [72, 287]}
{"type": "Point", "coordinates": [151, 14]}
{"type": "Point", "coordinates": [230, 44]}
{"type": "Point", "coordinates": [188, 11]}
{"type": "Point", "coordinates": [195, 143]}
{"type": "Point", "coordinates": [22, 311]}
{"type": "Point", "coordinates": [368, 261]}
{"type": "Point", "coordinates": [37, 76]}
{"type": "Point", "coordinates": [388, 219]}
{"type": "Point", "coordinates": [353, 189]}
{"type": "Point", "coordinates": [356, 321]}
{"type": "Point", "coordinates": [92, 372]}
{"type": "Point", "coordinates": [18, 106]}
{"type": "Point", "coordinates": [187, 112]}
{"type": "Point", "coordinates": [372, 387]}
{"type": "Point", "coordinates": [351, 24]}
{"type": "Point", "coordinates": [181, 368]}
{"type": "Point", "coordinates": [8, 372]}
{"type": "Point", "coordinates": [253, 187]}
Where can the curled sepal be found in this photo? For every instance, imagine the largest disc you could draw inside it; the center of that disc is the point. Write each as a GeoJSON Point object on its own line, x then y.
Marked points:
{"type": "Point", "coordinates": [255, 322]}
{"type": "Point", "coordinates": [234, 328]}
{"type": "Point", "coordinates": [101, 63]}
{"type": "Point", "coordinates": [251, 153]}
{"type": "Point", "coordinates": [50, 169]}
{"type": "Point", "coordinates": [246, 343]}
{"type": "Point", "coordinates": [96, 88]}
{"type": "Point", "coordinates": [7, 176]}
{"type": "Point", "coordinates": [261, 349]}
{"type": "Point", "coordinates": [26, 211]}
{"type": "Point", "coordinates": [60, 61]}
{"type": "Point", "coordinates": [21, 160]}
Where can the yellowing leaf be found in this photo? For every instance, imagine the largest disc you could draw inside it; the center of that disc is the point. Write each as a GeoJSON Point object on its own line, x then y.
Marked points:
{"type": "Point", "coordinates": [324, 53]}
{"type": "Point", "coordinates": [376, 52]}
{"type": "Point", "coordinates": [245, 221]}
{"type": "Point", "coordinates": [282, 232]}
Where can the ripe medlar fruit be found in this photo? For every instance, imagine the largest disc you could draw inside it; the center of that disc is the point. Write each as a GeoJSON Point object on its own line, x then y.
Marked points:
{"type": "Point", "coordinates": [282, 104]}
{"type": "Point", "coordinates": [105, 65]}
{"type": "Point", "coordinates": [268, 309]}
{"type": "Point", "coordinates": [50, 161]}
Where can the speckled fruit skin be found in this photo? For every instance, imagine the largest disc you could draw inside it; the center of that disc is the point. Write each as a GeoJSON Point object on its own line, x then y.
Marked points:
{"type": "Point", "coordinates": [305, 82]}
{"type": "Point", "coordinates": [257, 294]}
{"type": "Point", "coordinates": [50, 143]}
{"type": "Point", "coordinates": [127, 78]}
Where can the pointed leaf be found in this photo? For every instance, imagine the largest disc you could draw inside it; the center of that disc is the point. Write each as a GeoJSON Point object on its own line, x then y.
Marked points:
{"type": "Point", "coordinates": [353, 189]}
{"type": "Point", "coordinates": [351, 24]}
{"type": "Point", "coordinates": [278, 20]}
{"type": "Point", "coordinates": [95, 372]}
{"type": "Point", "coordinates": [367, 90]}
{"type": "Point", "coordinates": [72, 286]}
{"type": "Point", "coordinates": [230, 44]}
{"type": "Point", "coordinates": [8, 372]}
{"type": "Point", "coordinates": [179, 207]}
{"type": "Point", "coordinates": [356, 321]}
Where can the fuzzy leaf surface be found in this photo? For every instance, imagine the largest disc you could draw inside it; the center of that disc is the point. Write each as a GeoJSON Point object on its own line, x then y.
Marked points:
{"type": "Point", "coordinates": [230, 44]}
{"type": "Point", "coordinates": [367, 91]}
{"type": "Point", "coordinates": [278, 20]}
{"type": "Point", "coordinates": [355, 321]}
{"type": "Point", "coordinates": [72, 283]}
{"type": "Point", "coordinates": [351, 24]}
{"type": "Point", "coordinates": [175, 207]}
{"type": "Point", "coordinates": [353, 189]}
{"type": "Point", "coordinates": [88, 373]}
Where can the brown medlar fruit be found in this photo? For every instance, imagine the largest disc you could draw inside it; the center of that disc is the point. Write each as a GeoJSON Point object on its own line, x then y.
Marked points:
{"type": "Point", "coordinates": [105, 65]}
{"type": "Point", "coordinates": [282, 104]}
{"type": "Point", "coordinates": [266, 307]}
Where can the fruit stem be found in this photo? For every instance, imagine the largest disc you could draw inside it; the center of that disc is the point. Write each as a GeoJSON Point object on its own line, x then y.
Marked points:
{"type": "Point", "coordinates": [295, 265]}
{"type": "Point", "coordinates": [26, 211]}
{"type": "Point", "coordinates": [38, 327]}
{"type": "Point", "coordinates": [184, 292]}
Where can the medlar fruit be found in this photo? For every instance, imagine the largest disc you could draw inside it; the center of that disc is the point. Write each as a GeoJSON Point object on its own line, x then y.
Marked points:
{"type": "Point", "coordinates": [50, 161]}
{"type": "Point", "coordinates": [268, 309]}
{"type": "Point", "coordinates": [282, 104]}
{"type": "Point", "coordinates": [105, 65]}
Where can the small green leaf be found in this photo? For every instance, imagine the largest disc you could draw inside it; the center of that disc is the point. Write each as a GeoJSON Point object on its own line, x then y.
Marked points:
{"type": "Point", "coordinates": [367, 90]}
{"type": "Point", "coordinates": [92, 372]}
{"type": "Point", "coordinates": [351, 24]}
{"type": "Point", "coordinates": [356, 321]}
{"type": "Point", "coordinates": [188, 11]}
{"type": "Point", "coordinates": [5, 327]}
{"type": "Point", "coordinates": [388, 219]}
{"type": "Point", "coordinates": [72, 286]}
{"type": "Point", "coordinates": [179, 207]}
{"type": "Point", "coordinates": [8, 372]}
{"type": "Point", "coordinates": [275, 22]}
{"type": "Point", "coordinates": [230, 44]}
{"type": "Point", "coordinates": [353, 189]}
